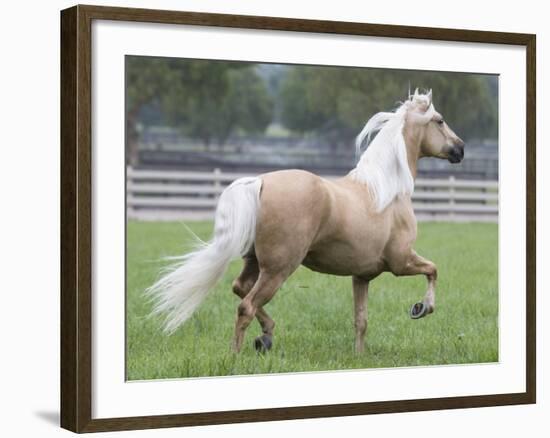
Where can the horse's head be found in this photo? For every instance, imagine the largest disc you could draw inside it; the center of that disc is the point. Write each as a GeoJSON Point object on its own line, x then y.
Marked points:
{"type": "Point", "coordinates": [435, 137]}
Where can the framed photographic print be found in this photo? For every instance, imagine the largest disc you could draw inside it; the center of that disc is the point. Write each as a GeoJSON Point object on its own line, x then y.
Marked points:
{"type": "Point", "coordinates": [269, 218]}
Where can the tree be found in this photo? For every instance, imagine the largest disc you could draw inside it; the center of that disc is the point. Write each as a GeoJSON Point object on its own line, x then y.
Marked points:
{"type": "Point", "coordinates": [335, 102]}
{"type": "Point", "coordinates": [211, 100]}
{"type": "Point", "coordinates": [196, 95]}
{"type": "Point", "coordinates": [247, 105]}
{"type": "Point", "coordinates": [146, 80]}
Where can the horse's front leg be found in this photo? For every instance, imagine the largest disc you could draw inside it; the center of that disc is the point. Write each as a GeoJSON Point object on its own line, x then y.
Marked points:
{"type": "Point", "coordinates": [360, 297]}
{"type": "Point", "coordinates": [416, 265]}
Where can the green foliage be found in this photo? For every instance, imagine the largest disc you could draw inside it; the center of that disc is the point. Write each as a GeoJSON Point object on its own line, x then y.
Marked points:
{"type": "Point", "coordinates": [340, 100]}
{"type": "Point", "coordinates": [247, 106]}
{"type": "Point", "coordinates": [306, 105]}
{"type": "Point", "coordinates": [212, 100]}
{"type": "Point", "coordinates": [146, 79]}
{"type": "Point", "coordinates": [209, 100]}
{"type": "Point", "coordinates": [314, 312]}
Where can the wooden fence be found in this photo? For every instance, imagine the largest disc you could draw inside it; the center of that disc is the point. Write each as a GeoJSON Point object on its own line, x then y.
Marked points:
{"type": "Point", "coordinates": [188, 195]}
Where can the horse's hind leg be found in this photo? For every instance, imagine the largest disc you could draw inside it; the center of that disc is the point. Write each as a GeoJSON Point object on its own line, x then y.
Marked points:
{"type": "Point", "coordinates": [241, 287]}
{"type": "Point", "coordinates": [248, 276]}
{"type": "Point", "coordinates": [263, 290]}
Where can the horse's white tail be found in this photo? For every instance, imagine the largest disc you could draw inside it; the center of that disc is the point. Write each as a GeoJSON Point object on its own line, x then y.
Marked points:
{"type": "Point", "coordinates": [185, 285]}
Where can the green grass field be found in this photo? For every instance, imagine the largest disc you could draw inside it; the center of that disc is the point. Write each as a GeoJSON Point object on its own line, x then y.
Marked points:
{"type": "Point", "coordinates": [314, 312]}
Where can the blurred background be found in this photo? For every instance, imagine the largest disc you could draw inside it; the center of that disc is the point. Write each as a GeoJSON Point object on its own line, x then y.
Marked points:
{"type": "Point", "coordinates": [193, 126]}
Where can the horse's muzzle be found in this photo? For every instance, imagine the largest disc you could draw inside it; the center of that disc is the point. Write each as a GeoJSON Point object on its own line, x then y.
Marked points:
{"type": "Point", "coordinates": [456, 154]}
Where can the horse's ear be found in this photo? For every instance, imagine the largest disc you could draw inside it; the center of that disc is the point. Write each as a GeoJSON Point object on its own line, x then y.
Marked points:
{"type": "Point", "coordinates": [415, 95]}
{"type": "Point", "coordinates": [429, 95]}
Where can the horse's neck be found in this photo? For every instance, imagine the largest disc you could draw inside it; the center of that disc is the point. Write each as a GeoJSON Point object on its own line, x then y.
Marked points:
{"type": "Point", "coordinates": [412, 141]}
{"type": "Point", "coordinates": [413, 164]}
{"type": "Point", "coordinates": [385, 177]}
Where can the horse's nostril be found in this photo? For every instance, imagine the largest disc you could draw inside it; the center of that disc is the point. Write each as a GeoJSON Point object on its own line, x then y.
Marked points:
{"type": "Point", "coordinates": [456, 154]}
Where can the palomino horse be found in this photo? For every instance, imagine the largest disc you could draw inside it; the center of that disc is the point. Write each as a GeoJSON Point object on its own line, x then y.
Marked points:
{"type": "Point", "coordinates": [360, 225]}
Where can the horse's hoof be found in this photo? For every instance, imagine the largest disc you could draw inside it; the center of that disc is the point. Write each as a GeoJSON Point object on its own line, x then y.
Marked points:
{"type": "Point", "coordinates": [419, 310]}
{"type": "Point", "coordinates": [262, 343]}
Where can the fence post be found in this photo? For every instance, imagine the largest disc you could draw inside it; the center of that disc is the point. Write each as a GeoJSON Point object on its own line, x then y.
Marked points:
{"type": "Point", "coordinates": [452, 197]}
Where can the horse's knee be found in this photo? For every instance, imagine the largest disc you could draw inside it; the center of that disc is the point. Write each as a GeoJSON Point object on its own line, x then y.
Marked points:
{"type": "Point", "coordinates": [245, 311]}
{"type": "Point", "coordinates": [242, 285]}
{"type": "Point", "coordinates": [237, 288]}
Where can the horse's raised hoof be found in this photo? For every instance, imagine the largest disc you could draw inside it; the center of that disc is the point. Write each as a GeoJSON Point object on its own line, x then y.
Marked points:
{"type": "Point", "coordinates": [419, 310]}
{"type": "Point", "coordinates": [262, 344]}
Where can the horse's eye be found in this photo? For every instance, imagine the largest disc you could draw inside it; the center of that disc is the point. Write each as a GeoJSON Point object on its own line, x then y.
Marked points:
{"type": "Point", "coordinates": [440, 122]}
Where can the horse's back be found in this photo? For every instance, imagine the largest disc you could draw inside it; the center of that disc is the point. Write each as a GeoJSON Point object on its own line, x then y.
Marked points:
{"type": "Point", "coordinates": [293, 196]}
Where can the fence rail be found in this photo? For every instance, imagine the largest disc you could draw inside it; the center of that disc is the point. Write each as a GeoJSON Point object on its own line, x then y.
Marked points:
{"type": "Point", "coordinates": [176, 195]}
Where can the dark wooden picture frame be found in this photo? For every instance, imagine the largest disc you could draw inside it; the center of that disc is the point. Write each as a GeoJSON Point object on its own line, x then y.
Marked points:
{"type": "Point", "coordinates": [76, 218]}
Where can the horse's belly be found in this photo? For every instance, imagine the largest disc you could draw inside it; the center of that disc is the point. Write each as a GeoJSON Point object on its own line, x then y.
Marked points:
{"type": "Point", "coordinates": [343, 261]}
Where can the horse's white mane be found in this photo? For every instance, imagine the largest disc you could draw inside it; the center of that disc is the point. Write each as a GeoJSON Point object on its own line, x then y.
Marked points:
{"type": "Point", "coordinates": [383, 167]}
